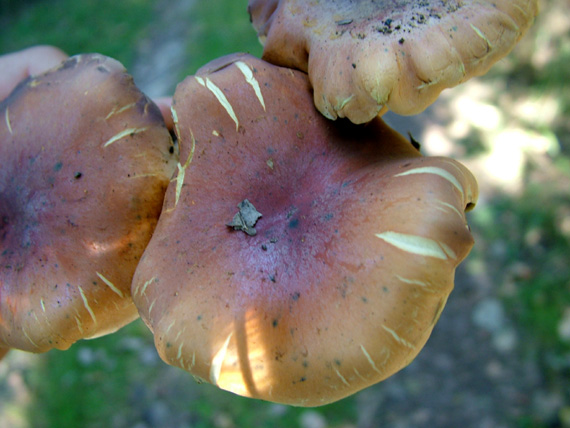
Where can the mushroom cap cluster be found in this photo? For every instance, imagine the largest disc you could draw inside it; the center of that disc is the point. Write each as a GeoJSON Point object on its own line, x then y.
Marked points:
{"type": "Point", "coordinates": [287, 257]}
{"type": "Point", "coordinates": [85, 161]}
{"type": "Point", "coordinates": [363, 56]}
{"type": "Point", "coordinates": [357, 240]}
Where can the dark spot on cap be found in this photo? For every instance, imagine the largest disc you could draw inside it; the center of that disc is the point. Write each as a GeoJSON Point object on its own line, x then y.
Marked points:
{"type": "Point", "coordinates": [293, 224]}
{"type": "Point", "coordinates": [70, 63]}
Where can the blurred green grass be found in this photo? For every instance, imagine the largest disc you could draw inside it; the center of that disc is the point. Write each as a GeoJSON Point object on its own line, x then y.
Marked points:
{"type": "Point", "coordinates": [219, 28]}
{"type": "Point", "coordinates": [116, 28]}
{"type": "Point", "coordinates": [104, 26]}
{"type": "Point", "coordinates": [525, 235]}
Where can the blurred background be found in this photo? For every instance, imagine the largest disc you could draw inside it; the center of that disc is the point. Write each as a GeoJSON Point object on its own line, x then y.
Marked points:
{"type": "Point", "coordinates": [500, 354]}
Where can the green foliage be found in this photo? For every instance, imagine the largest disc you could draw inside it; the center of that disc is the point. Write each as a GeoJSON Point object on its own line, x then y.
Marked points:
{"type": "Point", "coordinates": [223, 28]}
{"type": "Point", "coordinates": [525, 244]}
{"type": "Point", "coordinates": [82, 386]}
{"type": "Point", "coordinates": [108, 27]}
{"type": "Point", "coordinates": [525, 238]}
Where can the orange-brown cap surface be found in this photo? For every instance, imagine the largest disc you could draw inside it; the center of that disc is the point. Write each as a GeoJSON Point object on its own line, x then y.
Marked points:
{"type": "Point", "coordinates": [356, 240]}
{"type": "Point", "coordinates": [362, 56]}
{"type": "Point", "coordinates": [85, 161]}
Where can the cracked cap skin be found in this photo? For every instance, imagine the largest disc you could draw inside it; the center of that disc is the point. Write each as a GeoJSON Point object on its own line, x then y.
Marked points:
{"type": "Point", "coordinates": [354, 255]}
{"type": "Point", "coordinates": [364, 57]}
{"type": "Point", "coordinates": [85, 159]}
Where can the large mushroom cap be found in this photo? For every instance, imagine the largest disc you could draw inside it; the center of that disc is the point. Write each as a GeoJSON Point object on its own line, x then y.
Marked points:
{"type": "Point", "coordinates": [85, 161]}
{"type": "Point", "coordinates": [296, 260]}
{"type": "Point", "coordinates": [364, 55]}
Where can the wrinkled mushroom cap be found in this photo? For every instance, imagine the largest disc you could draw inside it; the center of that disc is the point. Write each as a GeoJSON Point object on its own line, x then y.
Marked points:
{"type": "Point", "coordinates": [353, 254]}
{"type": "Point", "coordinates": [362, 56]}
{"type": "Point", "coordinates": [85, 161]}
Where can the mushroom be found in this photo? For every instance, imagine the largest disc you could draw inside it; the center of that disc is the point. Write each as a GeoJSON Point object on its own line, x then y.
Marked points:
{"type": "Point", "coordinates": [16, 66]}
{"type": "Point", "coordinates": [357, 240]}
{"type": "Point", "coordinates": [364, 57]}
{"type": "Point", "coordinates": [86, 160]}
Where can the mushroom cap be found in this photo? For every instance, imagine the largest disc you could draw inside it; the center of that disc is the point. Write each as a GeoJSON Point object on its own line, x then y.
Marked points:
{"type": "Point", "coordinates": [363, 56]}
{"type": "Point", "coordinates": [352, 258]}
{"type": "Point", "coordinates": [85, 161]}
